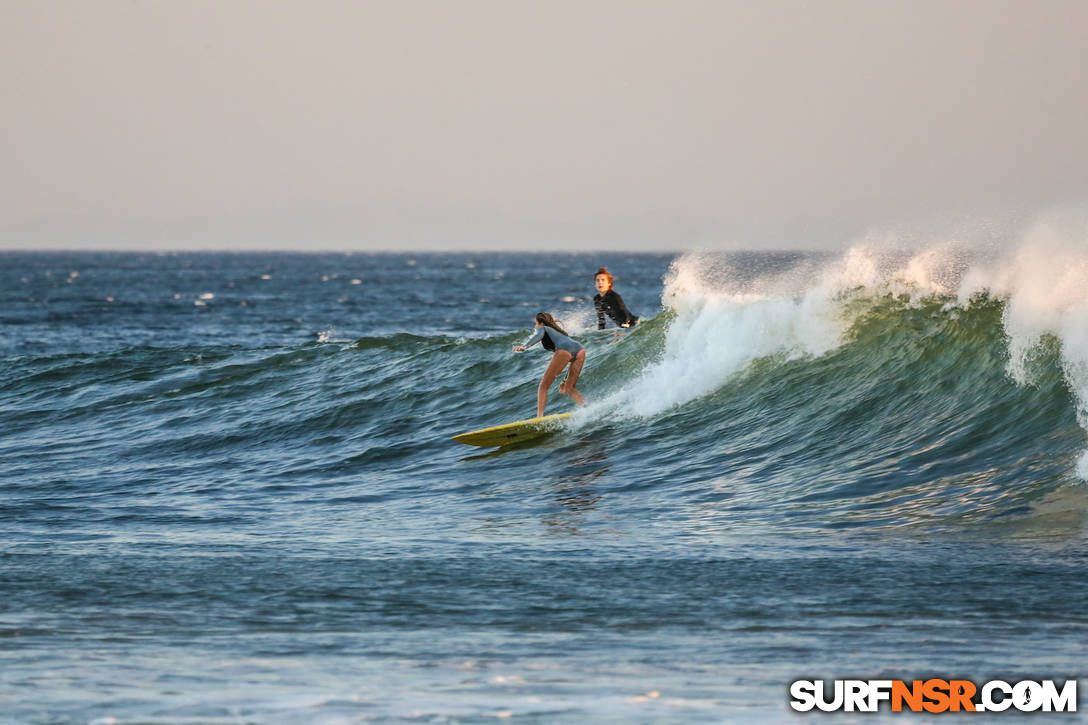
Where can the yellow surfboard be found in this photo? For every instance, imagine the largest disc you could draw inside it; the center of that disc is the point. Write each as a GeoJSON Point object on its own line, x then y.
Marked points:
{"type": "Point", "coordinates": [504, 435]}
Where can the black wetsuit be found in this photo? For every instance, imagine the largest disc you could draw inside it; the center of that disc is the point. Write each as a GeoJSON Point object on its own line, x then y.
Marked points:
{"type": "Point", "coordinates": [611, 304]}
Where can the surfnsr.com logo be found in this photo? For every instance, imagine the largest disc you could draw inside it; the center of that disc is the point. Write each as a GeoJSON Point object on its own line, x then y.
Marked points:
{"type": "Point", "coordinates": [933, 696]}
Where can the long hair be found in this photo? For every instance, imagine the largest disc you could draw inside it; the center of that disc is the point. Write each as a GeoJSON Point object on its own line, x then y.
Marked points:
{"type": "Point", "coordinates": [545, 319]}
{"type": "Point", "coordinates": [606, 273]}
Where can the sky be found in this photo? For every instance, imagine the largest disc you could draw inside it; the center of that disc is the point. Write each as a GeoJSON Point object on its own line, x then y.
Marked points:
{"type": "Point", "coordinates": [486, 124]}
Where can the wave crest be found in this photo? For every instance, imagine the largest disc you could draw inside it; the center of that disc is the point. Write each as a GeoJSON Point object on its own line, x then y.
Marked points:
{"type": "Point", "coordinates": [728, 311]}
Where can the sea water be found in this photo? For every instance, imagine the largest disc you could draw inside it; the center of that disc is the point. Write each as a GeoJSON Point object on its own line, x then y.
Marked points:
{"type": "Point", "coordinates": [228, 492]}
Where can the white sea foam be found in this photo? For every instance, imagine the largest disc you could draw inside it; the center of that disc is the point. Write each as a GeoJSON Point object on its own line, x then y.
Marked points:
{"type": "Point", "coordinates": [577, 321]}
{"type": "Point", "coordinates": [1044, 278]}
{"type": "Point", "coordinates": [724, 320]}
{"type": "Point", "coordinates": [722, 323]}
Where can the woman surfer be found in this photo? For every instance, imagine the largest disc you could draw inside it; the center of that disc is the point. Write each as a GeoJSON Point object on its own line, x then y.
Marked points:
{"type": "Point", "coordinates": [567, 352]}
{"type": "Point", "coordinates": [608, 302]}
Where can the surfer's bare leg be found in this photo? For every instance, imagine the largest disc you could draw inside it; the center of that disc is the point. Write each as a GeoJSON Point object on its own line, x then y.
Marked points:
{"type": "Point", "coordinates": [559, 361]}
{"type": "Point", "coordinates": [568, 381]}
{"type": "Point", "coordinates": [568, 385]}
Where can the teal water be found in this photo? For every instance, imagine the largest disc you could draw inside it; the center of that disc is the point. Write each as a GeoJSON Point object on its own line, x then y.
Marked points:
{"type": "Point", "coordinates": [229, 495]}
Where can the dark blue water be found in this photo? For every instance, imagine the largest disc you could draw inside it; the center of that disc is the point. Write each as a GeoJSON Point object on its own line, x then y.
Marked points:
{"type": "Point", "coordinates": [228, 492]}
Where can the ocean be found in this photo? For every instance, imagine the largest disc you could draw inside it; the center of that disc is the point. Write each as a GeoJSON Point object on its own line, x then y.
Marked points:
{"type": "Point", "coordinates": [229, 494]}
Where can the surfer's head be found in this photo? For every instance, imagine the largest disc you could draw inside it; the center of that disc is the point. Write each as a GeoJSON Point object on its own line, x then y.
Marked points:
{"type": "Point", "coordinates": [603, 280]}
{"type": "Point", "coordinates": [543, 318]}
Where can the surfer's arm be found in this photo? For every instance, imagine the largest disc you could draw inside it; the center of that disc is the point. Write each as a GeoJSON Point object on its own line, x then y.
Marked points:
{"type": "Point", "coordinates": [620, 314]}
{"type": "Point", "coordinates": [599, 304]}
{"type": "Point", "coordinates": [537, 336]}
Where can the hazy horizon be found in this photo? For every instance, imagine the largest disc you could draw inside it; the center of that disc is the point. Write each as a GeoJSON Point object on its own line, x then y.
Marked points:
{"type": "Point", "coordinates": [487, 124]}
